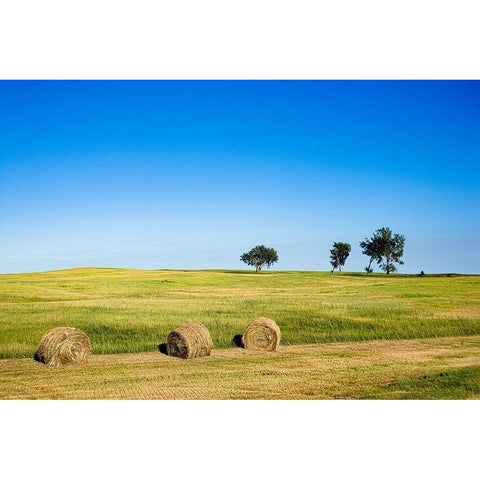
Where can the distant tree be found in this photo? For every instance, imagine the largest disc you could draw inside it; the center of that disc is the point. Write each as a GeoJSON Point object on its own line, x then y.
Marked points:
{"type": "Point", "coordinates": [372, 247]}
{"type": "Point", "coordinates": [259, 257]}
{"type": "Point", "coordinates": [388, 249]}
{"type": "Point", "coordinates": [339, 254]}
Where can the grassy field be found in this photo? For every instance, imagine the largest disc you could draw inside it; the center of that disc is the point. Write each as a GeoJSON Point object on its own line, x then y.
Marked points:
{"type": "Point", "coordinates": [128, 311]}
{"type": "Point", "coordinates": [440, 368]}
{"type": "Point", "coordinates": [132, 311]}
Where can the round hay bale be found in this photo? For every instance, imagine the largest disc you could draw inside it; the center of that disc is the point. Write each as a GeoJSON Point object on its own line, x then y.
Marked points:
{"type": "Point", "coordinates": [62, 346]}
{"type": "Point", "coordinates": [262, 334]}
{"type": "Point", "coordinates": [189, 341]}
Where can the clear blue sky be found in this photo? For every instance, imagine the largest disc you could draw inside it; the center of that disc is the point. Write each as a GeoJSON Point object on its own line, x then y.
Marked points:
{"type": "Point", "coordinates": [191, 174]}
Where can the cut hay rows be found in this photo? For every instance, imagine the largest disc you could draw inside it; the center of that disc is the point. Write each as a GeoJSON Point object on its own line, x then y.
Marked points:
{"type": "Point", "coordinates": [189, 341]}
{"type": "Point", "coordinates": [262, 334]}
{"type": "Point", "coordinates": [63, 346]}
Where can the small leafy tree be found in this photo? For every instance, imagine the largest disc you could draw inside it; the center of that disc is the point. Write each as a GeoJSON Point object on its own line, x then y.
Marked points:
{"type": "Point", "coordinates": [339, 254]}
{"type": "Point", "coordinates": [373, 248]}
{"type": "Point", "coordinates": [387, 249]}
{"type": "Point", "coordinates": [259, 257]}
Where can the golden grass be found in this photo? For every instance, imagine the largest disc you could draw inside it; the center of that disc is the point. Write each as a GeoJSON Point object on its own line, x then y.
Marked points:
{"type": "Point", "coordinates": [425, 368]}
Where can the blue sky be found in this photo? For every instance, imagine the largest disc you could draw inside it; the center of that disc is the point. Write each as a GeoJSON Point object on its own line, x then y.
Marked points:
{"type": "Point", "coordinates": [166, 174]}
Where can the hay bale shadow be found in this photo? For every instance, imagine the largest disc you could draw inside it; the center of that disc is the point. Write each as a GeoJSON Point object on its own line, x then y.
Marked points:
{"type": "Point", "coordinates": [237, 340]}
{"type": "Point", "coordinates": [37, 358]}
{"type": "Point", "coordinates": [163, 348]}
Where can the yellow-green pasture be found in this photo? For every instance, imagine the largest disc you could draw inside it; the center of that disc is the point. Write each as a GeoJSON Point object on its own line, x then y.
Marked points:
{"type": "Point", "coordinates": [129, 311]}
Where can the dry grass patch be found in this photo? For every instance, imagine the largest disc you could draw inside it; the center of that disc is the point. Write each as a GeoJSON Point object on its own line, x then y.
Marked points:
{"type": "Point", "coordinates": [435, 368]}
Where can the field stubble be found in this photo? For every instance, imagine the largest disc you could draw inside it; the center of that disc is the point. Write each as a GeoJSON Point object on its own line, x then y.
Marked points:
{"type": "Point", "coordinates": [397, 369]}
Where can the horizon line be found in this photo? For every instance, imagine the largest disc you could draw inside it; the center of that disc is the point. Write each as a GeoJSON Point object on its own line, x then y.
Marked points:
{"type": "Point", "coordinates": [226, 270]}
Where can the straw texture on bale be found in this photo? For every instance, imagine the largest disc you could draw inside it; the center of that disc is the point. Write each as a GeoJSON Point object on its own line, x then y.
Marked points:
{"type": "Point", "coordinates": [189, 341]}
{"type": "Point", "coordinates": [262, 334]}
{"type": "Point", "coordinates": [62, 346]}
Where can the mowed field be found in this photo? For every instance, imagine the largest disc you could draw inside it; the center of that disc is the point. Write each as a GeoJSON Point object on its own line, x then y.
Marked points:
{"type": "Point", "coordinates": [348, 336]}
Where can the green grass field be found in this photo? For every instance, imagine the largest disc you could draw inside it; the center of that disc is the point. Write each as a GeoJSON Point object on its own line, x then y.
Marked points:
{"type": "Point", "coordinates": [132, 311]}
{"type": "Point", "coordinates": [126, 311]}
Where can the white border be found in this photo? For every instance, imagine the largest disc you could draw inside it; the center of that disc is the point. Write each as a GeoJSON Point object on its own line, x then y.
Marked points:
{"type": "Point", "coordinates": [239, 439]}
{"type": "Point", "coordinates": [260, 39]}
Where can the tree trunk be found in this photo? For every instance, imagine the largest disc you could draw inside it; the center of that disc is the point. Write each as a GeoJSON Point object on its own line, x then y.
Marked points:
{"type": "Point", "coordinates": [388, 266]}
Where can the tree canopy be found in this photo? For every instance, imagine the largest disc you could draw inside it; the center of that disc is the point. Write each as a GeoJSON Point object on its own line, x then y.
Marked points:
{"type": "Point", "coordinates": [259, 257]}
{"type": "Point", "coordinates": [339, 254]}
{"type": "Point", "coordinates": [385, 248]}
{"type": "Point", "coordinates": [373, 249]}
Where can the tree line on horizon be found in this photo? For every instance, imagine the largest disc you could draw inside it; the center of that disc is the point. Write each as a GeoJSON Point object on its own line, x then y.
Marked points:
{"type": "Point", "coordinates": [382, 247]}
